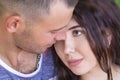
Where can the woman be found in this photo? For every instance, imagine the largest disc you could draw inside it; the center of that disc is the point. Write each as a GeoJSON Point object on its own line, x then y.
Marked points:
{"type": "Point", "coordinates": [91, 48]}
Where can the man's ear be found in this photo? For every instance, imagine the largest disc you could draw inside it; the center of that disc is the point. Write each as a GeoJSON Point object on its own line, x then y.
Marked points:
{"type": "Point", "coordinates": [12, 23]}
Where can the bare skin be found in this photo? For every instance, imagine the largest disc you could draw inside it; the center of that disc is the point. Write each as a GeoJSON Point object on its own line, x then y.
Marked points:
{"type": "Point", "coordinates": [20, 45]}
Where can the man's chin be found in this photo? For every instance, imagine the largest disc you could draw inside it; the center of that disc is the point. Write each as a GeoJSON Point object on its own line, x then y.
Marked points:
{"type": "Point", "coordinates": [42, 51]}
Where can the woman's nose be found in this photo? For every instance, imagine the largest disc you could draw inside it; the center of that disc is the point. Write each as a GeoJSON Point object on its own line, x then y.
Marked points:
{"type": "Point", "coordinates": [69, 45]}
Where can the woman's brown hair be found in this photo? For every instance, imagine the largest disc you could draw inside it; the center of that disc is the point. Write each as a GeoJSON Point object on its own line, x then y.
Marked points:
{"type": "Point", "coordinates": [96, 17]}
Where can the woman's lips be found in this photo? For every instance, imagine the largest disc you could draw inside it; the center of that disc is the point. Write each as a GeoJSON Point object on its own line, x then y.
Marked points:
{"type": "Point", "coordinates": [75, 62]}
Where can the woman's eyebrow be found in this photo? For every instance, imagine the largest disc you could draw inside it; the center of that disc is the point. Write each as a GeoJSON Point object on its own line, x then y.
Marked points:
{"type": "Point", "coordinates": [74, 27]}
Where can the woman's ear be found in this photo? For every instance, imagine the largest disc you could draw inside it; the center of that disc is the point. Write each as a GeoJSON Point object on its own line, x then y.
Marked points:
{"type": "Point", "coordinates": [109, 36]}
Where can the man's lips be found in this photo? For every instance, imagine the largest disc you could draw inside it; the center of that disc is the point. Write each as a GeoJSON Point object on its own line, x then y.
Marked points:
{"type": "Point", "coordinates": [75, 62]}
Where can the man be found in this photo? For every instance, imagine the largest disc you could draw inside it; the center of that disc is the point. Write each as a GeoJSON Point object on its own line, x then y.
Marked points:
{"type": "Point", "coordinates": [27, 29]}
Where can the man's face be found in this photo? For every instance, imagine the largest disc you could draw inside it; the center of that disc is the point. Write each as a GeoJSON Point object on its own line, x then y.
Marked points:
{"type": "Point", "coordinates": [46, 31]}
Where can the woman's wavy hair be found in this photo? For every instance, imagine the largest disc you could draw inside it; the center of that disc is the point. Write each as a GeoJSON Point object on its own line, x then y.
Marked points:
{"type": "Point", "coordinates": [100, 19]}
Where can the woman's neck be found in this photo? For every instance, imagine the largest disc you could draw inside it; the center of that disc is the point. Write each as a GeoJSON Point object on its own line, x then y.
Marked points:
{"type": "Point", "coordinates": [95, 74]}
{"type": "Point", "coordinates": [98, 74]}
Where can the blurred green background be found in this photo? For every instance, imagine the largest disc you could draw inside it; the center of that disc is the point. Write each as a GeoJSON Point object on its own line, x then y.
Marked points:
{"type": "Point", "coordinates": [118, 2]}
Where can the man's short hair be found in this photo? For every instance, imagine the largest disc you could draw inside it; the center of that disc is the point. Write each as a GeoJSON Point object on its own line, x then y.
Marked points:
{"type": "Point", "coordinates": [30, 7]}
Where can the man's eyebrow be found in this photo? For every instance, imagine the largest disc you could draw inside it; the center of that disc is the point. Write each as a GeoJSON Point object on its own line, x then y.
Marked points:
{"type": "Point", "coordinates": [74, 27]}
{"type": "Point", "coordinates": [56, 30]}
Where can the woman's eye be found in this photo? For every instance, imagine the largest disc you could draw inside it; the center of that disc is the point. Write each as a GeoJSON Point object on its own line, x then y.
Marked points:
{"type": "Point", "coordinates": [76, 33]}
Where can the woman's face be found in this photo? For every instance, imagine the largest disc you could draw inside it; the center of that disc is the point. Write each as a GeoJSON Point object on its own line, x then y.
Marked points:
{"type": "Point", "coordinates": [75, 51]}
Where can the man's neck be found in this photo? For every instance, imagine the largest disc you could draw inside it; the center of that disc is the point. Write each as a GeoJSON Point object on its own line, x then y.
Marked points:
{"type": "Point", "coordinates": [27, 63]}
{"type": "Point", "coordinates": [22, 61]}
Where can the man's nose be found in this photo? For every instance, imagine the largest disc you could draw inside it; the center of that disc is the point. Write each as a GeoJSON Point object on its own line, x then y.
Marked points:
{"type": "Point", "coordinates": [61, 35]}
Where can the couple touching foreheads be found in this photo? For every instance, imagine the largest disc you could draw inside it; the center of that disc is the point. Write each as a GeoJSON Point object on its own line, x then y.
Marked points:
{"type": "Point", "coordinates": [86, 43]}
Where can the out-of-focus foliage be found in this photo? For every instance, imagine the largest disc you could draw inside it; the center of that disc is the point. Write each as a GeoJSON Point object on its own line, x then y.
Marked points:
{"type": "Point", "coordinates": [118, 2]}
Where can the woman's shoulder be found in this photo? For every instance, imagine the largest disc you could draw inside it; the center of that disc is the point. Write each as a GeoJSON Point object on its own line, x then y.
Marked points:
{"type": "Point", "coordinates": [116, 72]}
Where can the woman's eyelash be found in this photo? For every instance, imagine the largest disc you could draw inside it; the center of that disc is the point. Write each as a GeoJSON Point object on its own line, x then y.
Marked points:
{"type": "Point", "coordinates": [77, 32]}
